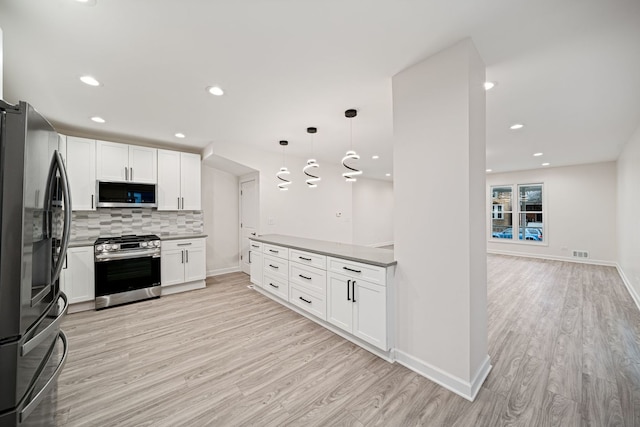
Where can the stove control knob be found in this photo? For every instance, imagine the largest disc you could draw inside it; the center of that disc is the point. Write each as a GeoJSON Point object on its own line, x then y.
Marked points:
{"type": "Point", "coordinates": [143, 244]}
{"type": "Point", "coordinates": [114, 247]}
{"type": "Point", "coordinates": [157, 243]}
{"type": "Point", "coordinates": [99, 248]}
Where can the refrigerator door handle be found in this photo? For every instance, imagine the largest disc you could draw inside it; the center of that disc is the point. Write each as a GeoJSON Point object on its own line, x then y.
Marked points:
{"type": "Point", "coordinates": [58, 164]}
{"type": "Point", "coordinates": [33, 404]}
{"type": "Point", "coordinates": [37, 340]}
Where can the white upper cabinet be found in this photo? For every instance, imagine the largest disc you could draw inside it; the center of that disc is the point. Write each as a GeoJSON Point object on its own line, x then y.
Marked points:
{"type": "Point", "coordinates": [178, 181]}
{"type": "Point", "coordinates": [126, 163]}
{"type": "Point", "coordinates": [81, 170]}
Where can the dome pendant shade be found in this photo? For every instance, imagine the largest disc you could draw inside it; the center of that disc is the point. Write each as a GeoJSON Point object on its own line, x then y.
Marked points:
{"type": "Point", "coordinates": [349, 176]}
{"type": "Point", "coordinates": [311, 181]}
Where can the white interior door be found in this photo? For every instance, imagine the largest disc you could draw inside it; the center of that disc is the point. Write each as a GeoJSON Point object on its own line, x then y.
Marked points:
{"type": "Point", "coordinates": [248, 220]}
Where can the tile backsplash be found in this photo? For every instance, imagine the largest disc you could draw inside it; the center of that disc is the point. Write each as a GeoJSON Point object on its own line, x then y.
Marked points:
{"type": "Point", "coordinates": [89, 225]}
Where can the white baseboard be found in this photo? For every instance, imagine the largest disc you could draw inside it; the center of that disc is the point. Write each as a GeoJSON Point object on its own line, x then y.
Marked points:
{"type": "Point", "coordinates": [221, 271]}
{"type": "Point", "coordinates": [183, 287]}
{"type": "Point", "coordinates": [627, 284]}
{"type": "Point", "coordinates": [554, 258]}
{"type": "Point", "coordinates": [463, 388]}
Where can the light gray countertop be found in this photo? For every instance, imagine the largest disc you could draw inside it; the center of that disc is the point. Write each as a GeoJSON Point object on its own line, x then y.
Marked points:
{"type": "Point", "coordinates": [365, 254]}
{"type": "Point", "coordinates": [80, 243]}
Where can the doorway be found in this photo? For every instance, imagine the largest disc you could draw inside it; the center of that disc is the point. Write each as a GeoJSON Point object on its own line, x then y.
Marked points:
{"type": "Point", "coordinates": [248, 218]}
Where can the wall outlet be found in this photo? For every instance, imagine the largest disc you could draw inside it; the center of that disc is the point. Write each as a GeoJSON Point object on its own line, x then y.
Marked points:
{"type": "Point", "coordinates": [581, 254]}
{"type": "Point", "coordinates": [338, 214]}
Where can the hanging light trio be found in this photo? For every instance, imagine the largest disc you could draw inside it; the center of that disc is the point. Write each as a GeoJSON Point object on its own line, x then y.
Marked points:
{"type": "Point", "coordinates": [312, 166]}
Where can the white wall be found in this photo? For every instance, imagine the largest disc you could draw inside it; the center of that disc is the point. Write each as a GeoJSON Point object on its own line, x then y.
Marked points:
{"type": "Point", "coordinates": [629, 214]}
{"type": "Point", "coordinates": [1, 65]}
{"type": "Point", "coordinates": [300, 211]}
{"type": "Point", "coordinates": [220, 210]}
{"type": "Point", "coordinates": [580, 208]}
{"type": "Point", "coordinates": [440, 243]}
{"type": "Point", "coordinates": [372, 212]}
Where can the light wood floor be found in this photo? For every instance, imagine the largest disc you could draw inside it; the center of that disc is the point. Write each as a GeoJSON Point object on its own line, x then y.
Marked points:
{"type": "Point", "coordinates": [564, 340]}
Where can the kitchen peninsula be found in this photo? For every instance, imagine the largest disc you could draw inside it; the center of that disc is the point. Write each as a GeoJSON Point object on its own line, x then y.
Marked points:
{"type": "Point", "coordinates": [345, 288]}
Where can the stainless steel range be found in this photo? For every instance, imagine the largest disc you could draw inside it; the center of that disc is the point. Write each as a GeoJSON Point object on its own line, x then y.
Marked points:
{"type": "Point", "coordinates": [127, 269]}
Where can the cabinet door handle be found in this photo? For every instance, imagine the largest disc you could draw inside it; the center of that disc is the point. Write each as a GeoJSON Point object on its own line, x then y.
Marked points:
{"type": "Point", "coordinates": [306, 259]}
{"type": "Point", "coordinates": [131, 173]}
{"type": "Point", "coordinates": [275, 286]}
{"type": "Point", "coordinates": [249, 257]}
{"type": "Point", "coordinates": [305, 300]}
{"type": "Point", "coordinates": [184, 244]}
{"type": "Point", "coordinates": [304, 277]}
{"type": "Point", "coordinates": [255, 246]}
{"type": "Point", "coordinates": [351, 269]}
{"type": "Point", "coordinates": [66, 265]}
{"type": "Point", "coordinates": [273, 250]}
{"type": "Point", "coordinates": [348, 284]}
{"type": "Point", "coordinates": [353, 290]}
{"type": "Point", "coordinates": [182, 257]}
{"type": "Point", "coordinates": [126, 173]}
{"type": "Point", "coordinates": [273, 266]}
{"type": "Point", "coordinates": [183, 203]}
{"type": "Point", "coordinates": [92, 201]}
{"type": "Point", "coordinates": [187, 251]}
{"type": "Point", "coordinates": [178, 202]}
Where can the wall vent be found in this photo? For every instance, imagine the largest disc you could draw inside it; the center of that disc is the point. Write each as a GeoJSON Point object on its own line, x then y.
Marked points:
{"type": "Point", "coordinates": [581, 254]}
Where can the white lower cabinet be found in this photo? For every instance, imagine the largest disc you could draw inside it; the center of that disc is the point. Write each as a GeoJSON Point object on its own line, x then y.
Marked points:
{"type": "Point", "coordinates": [358, 307]}
{"type": "Point", "coordinates": [77, 278]}
{"type": "Point", "coordinates": [183, 263]}
{"type": "Point", "coordinates": [276, 285]}
{"type": "Point", "coordinates": [255, 262]}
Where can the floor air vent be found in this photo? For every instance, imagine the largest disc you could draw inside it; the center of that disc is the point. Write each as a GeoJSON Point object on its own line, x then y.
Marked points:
{"type": "Point", "coordinates": [581, 254]}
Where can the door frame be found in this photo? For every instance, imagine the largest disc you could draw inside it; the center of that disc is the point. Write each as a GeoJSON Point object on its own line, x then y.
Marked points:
{"type": "Point", "coordinates": [253, 176]}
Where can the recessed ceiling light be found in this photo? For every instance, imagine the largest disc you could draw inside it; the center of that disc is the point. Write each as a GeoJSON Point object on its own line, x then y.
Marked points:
{"type": "Point", "coordinates": [516, 126]}
{"type": "Point", "coordinates": [89, 80]}
{"type": "Point", "coordinates": [489, 170]}
{"type": "Point", "coordinates": [98, 119]}
{"type": "Point", "coordinates": [387, 174]}
{"type": "Point", "coordinates": [180, 135]}
{"type": "Point", "coordinates": [489, 85]}
{"type": "Point", "coordinates": [87, 2]}
{"type": "Point", "coordinates": [215, 90]}
{"type": "Point", "coordinates": [375, 157]}
{"type": "Point", "coordinates": [546, 164]}
{"type": "Point", "coordinates": [537, 154]}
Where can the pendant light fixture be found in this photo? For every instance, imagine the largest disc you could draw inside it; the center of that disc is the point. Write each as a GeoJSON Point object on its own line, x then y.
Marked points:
{"type": "Point", "coordinates": [311, 163]}
{"type": "Point", "coordinates": [351, 154]}
{"type": "Point", "coordinates": [283, 173]}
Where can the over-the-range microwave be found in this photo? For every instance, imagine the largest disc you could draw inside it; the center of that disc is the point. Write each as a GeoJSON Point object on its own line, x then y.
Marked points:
{"type": "Point", "coordinates": [125, 195]}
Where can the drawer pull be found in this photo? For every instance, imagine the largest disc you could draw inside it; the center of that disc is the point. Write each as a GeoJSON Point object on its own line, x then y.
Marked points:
{"type": "Point", "coordinates": [305, 300]}
{"type": "Point", "coordinates": [304, 277]}
{"type": "Point", "coordinates": [274, 251]}
{"type": "Point", "coordinates": [255, 246]}
{"type": "Point", "coordinates": [273, 266]}
{"type": "Point", "coordinates": [306, 259]}
{"type": "Point", "coordinates": [275, 286]}
{"type": "Point", "coordinates": [184, 244]}
{"type": "Point", "coordinates": [351, 269]}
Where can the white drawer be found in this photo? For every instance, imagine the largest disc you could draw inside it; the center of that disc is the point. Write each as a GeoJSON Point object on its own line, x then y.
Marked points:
{"type": "Point", "coordinates": [255, 246]}
{"type": "Point", "coordinates": [276, 286]}
{"type": "Point", "coordinates": [276, 267]}
{"type": "Point", "coordinates": [273, 250]}
{"type": "Point", "coordinates": [308, 301]}
{"type": "Point", "coordinates": [308, 258]}
{"type": "Point", "coordinates": [358, 270]}
{"type": "Point", "coordinates": [169, 245]}
{"type": "Point", "coordinates": [310, 278]}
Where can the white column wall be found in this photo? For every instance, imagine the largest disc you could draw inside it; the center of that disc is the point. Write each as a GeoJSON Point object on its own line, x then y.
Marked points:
{"type": "Point", "coordinates": [1, 65]}
{"type": "Point", "coordinates": [628, 215]}
{"type": "Point", "coordinates": [220, 206]}
{"type": "Point", "coordinates": [300, 211]}
{"type": "Point", "coordinates": [439, 217]}
{"type": "Point", "coordinates": [579, 207]}
{"type": "Point", "coordinates": [372, 212]}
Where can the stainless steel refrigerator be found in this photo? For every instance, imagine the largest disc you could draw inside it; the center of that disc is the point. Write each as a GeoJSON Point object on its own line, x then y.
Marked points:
{"type": "Point", "coordinates": [35, 221]}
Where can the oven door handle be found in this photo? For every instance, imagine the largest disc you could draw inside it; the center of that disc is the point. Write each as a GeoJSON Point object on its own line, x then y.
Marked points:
{"type": "Point", "coordinates": [114, 257]}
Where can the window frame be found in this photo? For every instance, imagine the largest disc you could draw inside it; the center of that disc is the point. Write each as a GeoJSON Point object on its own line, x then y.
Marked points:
{"type": "Point", "coordinates": [517, 212]}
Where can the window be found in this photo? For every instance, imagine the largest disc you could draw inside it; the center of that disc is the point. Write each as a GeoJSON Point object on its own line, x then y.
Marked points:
{"type": "Point", "coordinates": [528, 213]}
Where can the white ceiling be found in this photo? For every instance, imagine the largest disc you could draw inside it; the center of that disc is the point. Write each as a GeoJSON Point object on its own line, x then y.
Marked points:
{"type": "Point", "coordinates": [569, 70]}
